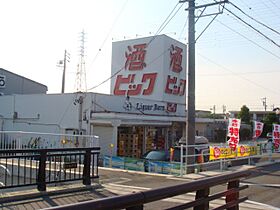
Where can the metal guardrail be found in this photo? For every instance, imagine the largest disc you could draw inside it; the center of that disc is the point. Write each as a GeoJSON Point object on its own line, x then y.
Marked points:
{"type": "Point", "coordinates": [136, 201]}
{"type": "Point", "coordinates": [204, 159]}
{"type": "Point", "coordinates": [32, 140]}
{"type": "Point", "coordinates": [250, 153]}
{"type": "Point", "coordinates": [24, 167]}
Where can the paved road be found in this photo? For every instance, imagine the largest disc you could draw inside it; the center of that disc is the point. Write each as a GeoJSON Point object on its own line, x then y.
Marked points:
{"type": "Point", "coordinates": [264, 188]}
{"type": "Point", "coordinates": [264, 184]}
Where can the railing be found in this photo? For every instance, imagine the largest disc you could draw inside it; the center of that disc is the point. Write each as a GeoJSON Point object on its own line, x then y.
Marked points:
{"type": "Point", "coordinates": [32, 140]}
{"type": "Point", "coordinates": [24, 167]}
{"type": "Point", "coordinates": [202, 199]}
{"type": "Point", "coordinates": [209, 157]}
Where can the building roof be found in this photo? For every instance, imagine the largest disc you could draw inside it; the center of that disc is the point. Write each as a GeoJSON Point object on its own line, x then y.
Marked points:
{"type": "Point", "coordinates": [1, 69]}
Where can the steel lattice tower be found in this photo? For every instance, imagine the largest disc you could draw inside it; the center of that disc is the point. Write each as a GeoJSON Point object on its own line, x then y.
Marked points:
{"type": "Point", "coordinates": [81, 83]}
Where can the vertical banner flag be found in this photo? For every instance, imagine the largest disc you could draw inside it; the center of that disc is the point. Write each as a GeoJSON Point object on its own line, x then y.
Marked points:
{"type": "Point", "coordinates": [258, 129]}
{"type": "Point", "coordinates": [233, 132]}
{"type": "Point", "coordinates": [276, 135]}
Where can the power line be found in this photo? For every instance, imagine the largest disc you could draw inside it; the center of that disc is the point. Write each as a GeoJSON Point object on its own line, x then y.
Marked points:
{"type": "Point", "coordinates": [113, 75]}
{"type": "Point", "coordinates": [108, 34]}
{"type": "Point", "coordinates": [166, 21]}
{"type": "Point", "coordinates": [255, 43]}
{"type": "Point", "coordinates": [275, 5]}
{"type": "Point", "coordinates": [244, 78]}
{"type": "Point", "coordinates": [183, 29]}
{"type": "Point", "coordinates": [243, 73]}
{"type": "Point", "coordinates": [250, 26]}
{"type": "Point", "coordinates": [162, 26]}
{"type": "Point", "coordinates": [269, 8]}
{"type": "Point", "coordinates": [255, 19]}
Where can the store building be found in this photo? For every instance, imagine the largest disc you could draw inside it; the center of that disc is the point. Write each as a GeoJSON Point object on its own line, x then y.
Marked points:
{"type": "Point", "coordinates": [122, 131]}
{"type": "Point", "coordinates": [152, 69]}
{"type": "Point", "coordinates": [11, 83]}
{"type": "Point", "coordinates": [145, 110]}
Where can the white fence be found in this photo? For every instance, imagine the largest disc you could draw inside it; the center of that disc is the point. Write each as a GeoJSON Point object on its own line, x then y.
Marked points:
{"type": "Point", "coordinates": [220, 156]}
{"type": "Point", "coordinates": [32, 140]}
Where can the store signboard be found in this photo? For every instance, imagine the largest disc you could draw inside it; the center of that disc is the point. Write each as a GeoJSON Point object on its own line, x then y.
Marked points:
{"type": "Point", "coordinates": [150, 68]}
{"type": "Point", "coordinates": [122, 104]}
{"type": "Point", "coordinates": [2, 81]}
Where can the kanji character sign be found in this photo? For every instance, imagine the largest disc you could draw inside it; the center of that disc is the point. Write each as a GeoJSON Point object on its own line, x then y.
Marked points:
{"type": "Point", "coordinates": [258, 128]}
{"type": "Point", "coordinates": [233, 133]}
{"type": "Point", "coordinates": [276, 135]}
{"type": "Point", "coordinates": [135, 57]}
{"type": "Point", "coordinates": [176, 58]}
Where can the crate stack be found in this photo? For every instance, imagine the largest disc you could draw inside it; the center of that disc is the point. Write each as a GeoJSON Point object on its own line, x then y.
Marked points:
{"type": "Point", "coordinates": [140, 142]}
{"type": "Point", "coordinates": [121, 146]}
{"type": "Point", "coordinates": [128, 145]}
{"type": "Point", "coordinates": [160, 142]}
{"type": "Point", "coordinates": [149, 143]}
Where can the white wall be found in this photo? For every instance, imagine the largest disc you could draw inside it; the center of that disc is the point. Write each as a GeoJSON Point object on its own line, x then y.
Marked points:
{"type": "Point", "coordinates": [41, 113]}
{"type": "Point", "coordinates": [105, 138]}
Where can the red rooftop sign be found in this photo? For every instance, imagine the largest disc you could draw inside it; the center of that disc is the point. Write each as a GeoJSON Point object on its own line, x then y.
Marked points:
{"type": "Point", "coordinates": [150, 69]}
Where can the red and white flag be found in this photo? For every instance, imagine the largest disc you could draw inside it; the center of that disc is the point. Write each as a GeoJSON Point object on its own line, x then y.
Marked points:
{"type": "Point", "coordinates": [233, 132]}
{"type": "Point", "coordinates": [276, 135]}
{"type": "Point", "coordinates": [258, 129]}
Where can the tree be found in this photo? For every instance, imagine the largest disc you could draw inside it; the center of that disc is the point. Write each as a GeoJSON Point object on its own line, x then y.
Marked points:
{"type": "Point", "coordinates": [244, 115]}
{"type": "Point", "coordinates": [268, 121]}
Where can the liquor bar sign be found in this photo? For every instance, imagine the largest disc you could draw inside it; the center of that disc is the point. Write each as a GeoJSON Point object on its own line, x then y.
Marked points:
{"type": "Point", "coordinates": [150, 68]}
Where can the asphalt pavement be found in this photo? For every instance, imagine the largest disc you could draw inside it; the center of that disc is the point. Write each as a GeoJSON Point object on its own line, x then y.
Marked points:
{"type": "Point", "coordinates": [264, 188]}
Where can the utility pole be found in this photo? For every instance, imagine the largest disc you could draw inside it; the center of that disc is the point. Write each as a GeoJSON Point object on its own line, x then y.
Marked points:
{"type": "Point", "coordinates": [66, 55]}
{"type": "Point", "coordinates": [190, 134]}
{"type": "Point", "coordinates": [224, 109]}
{"type": "Point", "coordinates": [190, 125]}
{"type": "Point", "coordinates": [264, 103]}
{"type": "Point", "coordinates": [214, 110]}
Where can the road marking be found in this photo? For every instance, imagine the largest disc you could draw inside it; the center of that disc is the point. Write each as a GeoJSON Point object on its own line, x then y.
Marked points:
{"type": "Point", "coordinates": [262, 204]}
{"type": "Point", "coordinates": [118, 180]}
{"type": "Point", "coordinates": [126, 189]}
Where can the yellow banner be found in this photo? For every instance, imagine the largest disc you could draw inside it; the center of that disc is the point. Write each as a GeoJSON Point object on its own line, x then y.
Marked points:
{"type": "Point", "coordinates": [221, 153]}
{"type": "Point", "coordinates": [218, 152]}
{"type": "Point", "coordinates": [244, 150]}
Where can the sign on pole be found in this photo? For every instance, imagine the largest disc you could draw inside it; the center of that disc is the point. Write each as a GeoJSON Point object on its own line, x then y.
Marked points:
{"type": "Point", "coordinates": [233, 132]}
{"type": "Point", "coordinates": [276, 135]}
{"type": "Point", "coordinates": [258, 129]}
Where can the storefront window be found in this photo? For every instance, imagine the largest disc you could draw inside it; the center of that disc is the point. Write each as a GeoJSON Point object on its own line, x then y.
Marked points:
{"type": "Point", "coordinates": [134, 141]}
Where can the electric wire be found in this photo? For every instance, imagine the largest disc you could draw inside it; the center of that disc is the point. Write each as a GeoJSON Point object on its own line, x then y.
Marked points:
{"type": "Point", "coordinates": [183, 29]}
{"type": "Point", "coordinates": [243, 73]}
{"type": "Point", "coordinates": [275, 5]}
{"type": "Point", "coordinates": [108, 34]}
{"type": "Point", "coordinates": [250, 26]}
{"type": "Point", "coordinates": [206, 27]}
{"type": "Point", "coordinates": [165, 22]}
{"type": "Point", "coordinates": [113, 75]}
{"type": "Point", "coordinates": [255, 43]}
{"type": "Point", "coordinates": [160, 29]}
{"type": "Point", "coordinates": [254, 18]}
{"type": "Point", "coordinates": [263, 2]}
{"type": "Point", "coordinates": [244, 78]}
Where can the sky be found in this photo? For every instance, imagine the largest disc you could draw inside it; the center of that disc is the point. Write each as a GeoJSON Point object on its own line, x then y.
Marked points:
{"type": "Point", "coordinates": [235, 65]}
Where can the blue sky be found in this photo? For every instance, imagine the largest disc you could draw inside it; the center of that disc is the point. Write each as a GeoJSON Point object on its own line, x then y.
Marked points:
{"type": "Point", "coordinates": [234, 64]}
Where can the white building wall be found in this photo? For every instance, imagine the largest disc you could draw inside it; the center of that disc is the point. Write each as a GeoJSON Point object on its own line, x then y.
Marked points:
{"type": "Point", "coordinates": [40, 113]}
{"type": "Point", "coordinates": [105, 134]}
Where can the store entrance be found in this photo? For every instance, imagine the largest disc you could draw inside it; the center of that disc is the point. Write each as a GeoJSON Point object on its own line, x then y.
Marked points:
{"type": "Point", "coordinates": [134, 141]}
